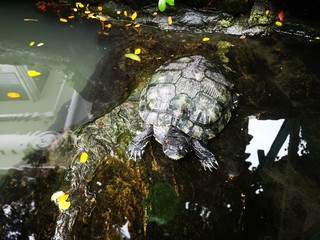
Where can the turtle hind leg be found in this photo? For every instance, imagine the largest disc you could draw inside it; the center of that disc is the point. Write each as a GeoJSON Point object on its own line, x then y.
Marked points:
{"type": "Point", "coordinates": [137, 146]}
{"type": "Point", "coordinates": [207, 159]}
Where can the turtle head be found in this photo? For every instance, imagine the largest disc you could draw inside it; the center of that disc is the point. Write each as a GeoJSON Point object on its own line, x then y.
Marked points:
{"type": "Point", "coordinates": [176, 144]}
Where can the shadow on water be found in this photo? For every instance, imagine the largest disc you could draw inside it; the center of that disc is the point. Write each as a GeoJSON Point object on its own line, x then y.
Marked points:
{"type": "Point", "coordinates": [268, 183]}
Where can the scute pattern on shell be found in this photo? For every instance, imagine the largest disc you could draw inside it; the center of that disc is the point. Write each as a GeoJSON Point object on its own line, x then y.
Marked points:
{"type": "Point", "coordinates": [189, 93]}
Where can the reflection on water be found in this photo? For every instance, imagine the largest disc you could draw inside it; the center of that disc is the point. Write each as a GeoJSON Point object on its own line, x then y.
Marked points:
{"type": "Point", "coordinates": [40, 83]}
{"type": "Point", "coordinates": [263, 134]}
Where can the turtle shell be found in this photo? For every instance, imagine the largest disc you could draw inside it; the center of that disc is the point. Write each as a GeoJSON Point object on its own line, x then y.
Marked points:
{"type": "Point", "coordinates": [189, 93]}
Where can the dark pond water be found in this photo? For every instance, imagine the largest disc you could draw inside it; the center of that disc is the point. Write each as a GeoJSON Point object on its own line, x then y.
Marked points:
{"type": "Point", "coordinates": [269, 185]}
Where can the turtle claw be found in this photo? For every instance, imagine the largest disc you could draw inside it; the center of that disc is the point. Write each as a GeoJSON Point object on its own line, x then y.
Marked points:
{"type": "Point", "coordinates": [134, 152]}
{"type": "Point", "coordinates": [209, 163]}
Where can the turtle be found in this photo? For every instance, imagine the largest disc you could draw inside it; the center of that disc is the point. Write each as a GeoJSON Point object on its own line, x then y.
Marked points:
{"type": "Point", "coordinates": [185, 103]}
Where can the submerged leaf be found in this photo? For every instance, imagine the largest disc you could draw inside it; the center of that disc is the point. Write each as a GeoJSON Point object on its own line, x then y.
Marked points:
{"type": "Point", "coordinates": [134, 16]}
{"type": "Point", "coordinates": [63, 197]}
{"type": "Point", "coordinates": [13, 95]}
{"type": "Point", "coordinates": [79, 5]}
{"type": "Point", "coordinates": [133, 56]}
{"type": "Point", "coordinates": [84, 157]}
{"type": "Point", "coordinates": [64, 205]}
{"type": "Point", "coordinates": [63, 20]}
{"type": "Point", "coordinates": [33, 73]}
{"type": "Point", "coordinates": [56, 195]}
{"type": "Point", "coordinates": [137, 51]}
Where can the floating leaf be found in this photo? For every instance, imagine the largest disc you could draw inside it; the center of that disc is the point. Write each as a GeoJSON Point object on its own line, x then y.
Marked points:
{"type": "Point", "coordinates": [125, 13]}
{"type": "Point", "coordinates": [63, 20]}
{"type": "Point", "coordinates": [137, 51]}
{"type": "Point", "coordinates": [63, 197]}
{"type": "Point", "coordinates": [31, 44]}
{"type": "Point", "coordinates": [56, 195]}
{"type": "Point", "coordinates": [205, 39]}
{"type": "Point", "coordinates": [169, 20]}
{"type": "Point", "coordinates": [79, 5]}
{"type": "Point", "coordinates": [99, 8]}
{"type": "Point", "coordinates": [33, 73]}
{"type": "Point", "coordinates": [84, 157]}
{"type": "Point", "coordinates": [133, 56]}
{"type": "Point", "coordinates": [40, 44]}
{"type": "Point", "coordinates": [64, 205]}
{"type": "Point", "coordinates": [13, 95]}
{"type": "Point", "coordinates": [134, 16]}
{"type": "Point", "coordinates": [278, 23]}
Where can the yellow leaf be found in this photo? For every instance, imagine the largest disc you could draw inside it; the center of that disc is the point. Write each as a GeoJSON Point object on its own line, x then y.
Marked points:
{"type": "Point", "coordinates": [205, 39]}
{"type": "Point", "coordinates": [109, 25]}
{"type": "Point", "coordinates": [63, 20]}
{"type": "Point", "coordinates": [84, 157]}
{"type": "Point", "coordinates": [118, 12]}
{"type": "Point", "coordinates": [79, 5]}
{"type": "Point", "coordinates": [137, 51]}
{"type": "Point", "coordinates": [133, 56]}
{"type": "Point", "coordinates": [134, 16]}
{"type": "Point", "coordinates": [137, 25]}
{"type": "Point", "coordinates": [125, 13]}
{"type": "Point", "coordinates": [242, 37]}
{"type": "Point", "coordinates": [13, 95]}
{"type": "Point", "coordinates": [102, 19]}
{"type": "Point", "coordinates": [99, 8]}
{"type": "Point", "coordinates": [128, 24]}
{"type": "Point", "coordinates": [31, 44]}
{"type": "Point", "coordinates": [169, 20]}
{"type": "Point", "coordinates": [87, 12]}
{"type": "Point", "coordinates": [56, 195]}
{"type": "Point", "coordinates": [33, 73]}
{"type": "Point", "coordinates": [71, 16]}
{"type": "Point", "coordinates": [64, 205]}
{"type": "Point", "coordinates": [278, 23]}
{"type": "Point", "coordinates": [64, 197]}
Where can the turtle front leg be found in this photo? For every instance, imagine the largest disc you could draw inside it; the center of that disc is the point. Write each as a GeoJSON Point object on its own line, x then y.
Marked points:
{"type": "Point", "coordinates": [137, 146]}
{"type": "Point", "coordinates": [206, 157]}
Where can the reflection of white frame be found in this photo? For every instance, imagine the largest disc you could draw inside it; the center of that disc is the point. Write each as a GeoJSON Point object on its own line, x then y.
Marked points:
{"type": "Point", "coordinates": [25, 81]}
